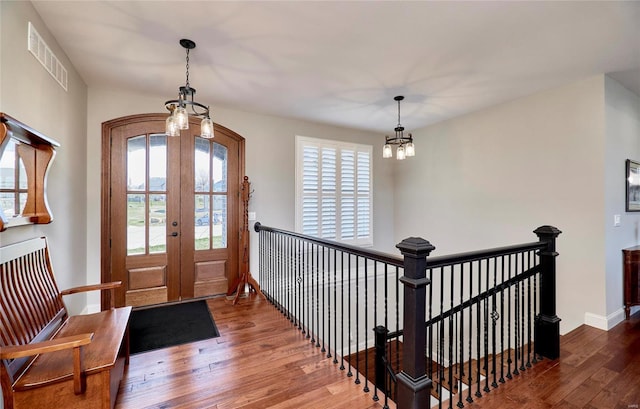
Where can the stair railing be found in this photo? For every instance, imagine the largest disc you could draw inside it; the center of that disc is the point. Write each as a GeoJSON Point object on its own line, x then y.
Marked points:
{"type": "Point", "coordinates": [483, 312]}
{"type": "Point", "coordinates": [460, 322]}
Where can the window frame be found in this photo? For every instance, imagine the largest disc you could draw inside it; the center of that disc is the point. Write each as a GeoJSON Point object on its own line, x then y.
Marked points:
{"type": "Point", "coordinates": [303, 141]}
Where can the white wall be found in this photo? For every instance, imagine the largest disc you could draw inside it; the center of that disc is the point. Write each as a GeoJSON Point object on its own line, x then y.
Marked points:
{"type": "Point", "coordinates": [491, 177]}
{"type": "Point", "coordinates": [270, 165]}
{"type": "Point", "coordinates": [29, 94]}
{"type": "Point", "coordinates": [622, 117]}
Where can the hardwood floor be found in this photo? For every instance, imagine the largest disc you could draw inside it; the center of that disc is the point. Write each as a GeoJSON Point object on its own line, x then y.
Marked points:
{"type": "Point", "coordinates": [259, 361]}
{"type": "Point", "coordinates": [596, 370]}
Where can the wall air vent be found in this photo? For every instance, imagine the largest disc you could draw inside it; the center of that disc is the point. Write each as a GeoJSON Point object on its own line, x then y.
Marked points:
{"type": "Point", "coordinates": [43, 53]}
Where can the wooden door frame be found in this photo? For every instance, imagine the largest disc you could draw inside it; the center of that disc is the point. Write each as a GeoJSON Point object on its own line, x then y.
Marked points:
{"type": "Point", "coordinates": [105, 203]}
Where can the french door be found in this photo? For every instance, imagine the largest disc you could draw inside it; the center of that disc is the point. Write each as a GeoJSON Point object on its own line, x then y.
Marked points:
{"type": "Point", "coordinates": [170, 210]}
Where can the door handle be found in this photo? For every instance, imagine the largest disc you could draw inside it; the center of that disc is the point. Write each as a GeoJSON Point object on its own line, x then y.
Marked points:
{"type": "Point", "coordinates": [174, 234]}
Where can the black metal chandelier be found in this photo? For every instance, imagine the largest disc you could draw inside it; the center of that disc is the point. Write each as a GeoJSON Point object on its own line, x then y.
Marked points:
{"type": "Point", "coordinates": [405, 143]}
{"type": "Point", "coordinates": [179, 117]}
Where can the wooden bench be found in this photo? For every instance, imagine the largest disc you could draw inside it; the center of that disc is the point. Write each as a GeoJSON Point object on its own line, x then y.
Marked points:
{"type": "Point", "coordinates": [48, 358]}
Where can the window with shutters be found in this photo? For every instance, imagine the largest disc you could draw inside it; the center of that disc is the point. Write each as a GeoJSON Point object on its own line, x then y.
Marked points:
{"type": "Point", "coordinates": [333, 190]}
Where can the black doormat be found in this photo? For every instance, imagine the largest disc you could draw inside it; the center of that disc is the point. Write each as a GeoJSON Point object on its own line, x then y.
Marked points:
{"type": "Point", "coordinates": [170, 325]}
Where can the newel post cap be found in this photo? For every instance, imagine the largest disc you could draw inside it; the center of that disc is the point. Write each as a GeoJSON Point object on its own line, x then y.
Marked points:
{"type": "Point", "coordinates": [416, 247]}
{"type": "Point", "coordinates": [547, 231]}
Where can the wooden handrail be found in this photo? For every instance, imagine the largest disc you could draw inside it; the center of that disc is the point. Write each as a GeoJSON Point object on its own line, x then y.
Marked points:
{"type": "Point", "coordinates": [358, 251]}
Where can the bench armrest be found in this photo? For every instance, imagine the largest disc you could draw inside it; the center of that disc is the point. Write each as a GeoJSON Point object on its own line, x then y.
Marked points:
{"type": "Point", "coordinates": [93, 287]}
{"type": "Point", "coordinates": [73, 341]}
{"type": "Point", "coordinates": [21, 351]}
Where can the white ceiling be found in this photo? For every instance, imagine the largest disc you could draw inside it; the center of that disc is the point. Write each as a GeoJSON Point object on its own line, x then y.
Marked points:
{"type": "Point", "coordinates": [343, 62]}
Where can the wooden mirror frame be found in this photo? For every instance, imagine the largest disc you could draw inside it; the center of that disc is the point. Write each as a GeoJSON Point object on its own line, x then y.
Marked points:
{"type": "Point", "coordinates": [37, 152]}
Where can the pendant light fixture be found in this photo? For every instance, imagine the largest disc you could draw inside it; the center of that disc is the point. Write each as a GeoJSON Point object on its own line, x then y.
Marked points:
{"type": "Point", "coordinates": [405, 143]}
{"type": "Point", "coordinates": [179, 108]}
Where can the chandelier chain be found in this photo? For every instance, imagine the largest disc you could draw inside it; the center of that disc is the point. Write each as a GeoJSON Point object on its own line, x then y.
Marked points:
{"type": "Point", "coordinates": [399, 114]}
{"type": "Point", "coordinates": [187, 84]}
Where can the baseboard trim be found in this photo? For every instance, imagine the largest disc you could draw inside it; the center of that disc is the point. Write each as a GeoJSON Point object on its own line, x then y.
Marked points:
{"type": "Point", "coordinates": [602, 322]}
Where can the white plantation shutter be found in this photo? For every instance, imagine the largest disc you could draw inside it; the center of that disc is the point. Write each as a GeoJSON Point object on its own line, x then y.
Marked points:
{"type": "Point", "coordinates": [363, 195]}
{"type": "Point", "coordinates": [333, 190]}
{"type": "Point", "coordinates": [310, 173]}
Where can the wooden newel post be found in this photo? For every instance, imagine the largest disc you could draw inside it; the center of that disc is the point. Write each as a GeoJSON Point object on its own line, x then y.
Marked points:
{"type": "Point", "coordinates": [547, 323]}
{"type": "Point", "coordinates": [381, 350]}
{"type": "Point", "coordinates": [414, 386]}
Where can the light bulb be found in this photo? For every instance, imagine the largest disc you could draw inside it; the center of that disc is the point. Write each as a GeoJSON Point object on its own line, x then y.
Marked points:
{"type": "Point", "coordinates": [182, 117]}
{"type": "Point", "coordinates": [386, 151]}
{"type": "Point", "coordinates": [206, 128]}
{"type": "Point", "coordinates": [410, 150]}
{"type": "Point", "coordinates": [400, 154]}
{"type": "Point", "coordinates": [171, 126]}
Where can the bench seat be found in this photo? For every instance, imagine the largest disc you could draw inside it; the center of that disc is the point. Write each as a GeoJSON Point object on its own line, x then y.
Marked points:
{"type": "Point", "coordinates": [108, 328]}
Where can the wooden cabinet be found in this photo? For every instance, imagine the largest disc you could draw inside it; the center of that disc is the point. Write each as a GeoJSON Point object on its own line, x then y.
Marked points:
{"type": "Point", "coordinates": [631, 258]}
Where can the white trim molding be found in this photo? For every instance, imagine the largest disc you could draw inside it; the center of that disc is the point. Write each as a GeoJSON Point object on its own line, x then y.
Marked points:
{"type": "Point", "coordinates": [602, 322]}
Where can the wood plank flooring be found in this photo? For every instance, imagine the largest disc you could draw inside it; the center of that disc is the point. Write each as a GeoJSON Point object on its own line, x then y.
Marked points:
{"type": "Point", "coordinates": [259, 361]}
{"type": "Point", "coordinates": [596, 370]}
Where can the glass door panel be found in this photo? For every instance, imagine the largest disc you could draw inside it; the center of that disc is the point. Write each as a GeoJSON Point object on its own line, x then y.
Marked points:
{"type": "Point", "coordinates": [146, 194]}
{"type": "Point", "coordinates": [210, 195]}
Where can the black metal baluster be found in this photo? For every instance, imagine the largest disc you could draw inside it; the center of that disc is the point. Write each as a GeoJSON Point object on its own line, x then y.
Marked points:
{"type": "Point", "coordinates": [375, 323]}
{"type": "Point", "coordinates": [317, 334]}
{"type": "Point", "coordinates": [324, 307]}
{"type": "Point", "coordinates": [461, 332]}
{"type": "Point", "coordinates": [451, 345]}
{"type": "Point", "coordinates": [478, 326]}
{"type": "Point", "coordinates": [441, 353]}
{"type": "Point", "coordinates": [342, 309]}
{"type": "Point", "coordinates": [295, 281]}
{"type": "Point", "coordinates": [285, 278]}
{"type": "Point", "coordinates": [535, 301]}
{"type": "Point", "coordinates": [366, 325]}
{"type": "Point", "coordinates": [429, 331]}
{"type": "Point", "coordinates": [494, 318]}
{"type": "Point", "coordinates": [522, 317]}
{"type": "Point", "coordinates": [349, 296]}
{"type": "Point", "coordinates": [300, 281]}
{"type": "Point", "coordinates": [486, 328]}
{"type": "Point", "coordinates": [397, 282]}
{"type": "Point", "coordinates": [529, 321]}
{"type": "Point", "coordinates": [279, 275]}
{"type": "Point", "coordinates": [276, 289]}
{"type": "Point", "coordinates": [261, 270]}
{"type": "Point", "coordinates": [502, 350]}
{"type": "Point", "coordinates": [386, 325]}
{"type": "Point", "coordinates": [509, 301]}
{"type": "Point", "coordinates": [274, 262]}
{"type": "Point", "coordinates": [269, 265]}
{"type": "Point", "coordinates": [335, 307]}
{"type": "Point", "coordinates": [308, 289]}
{"type": "Point", "coordinates": [357, 321]}
{"type": "Point", "coordinates": [471, 272]}
{"type": "Point", "coordinates": [516, 370]}
{"type": "Point", "coordinates": [314, 294]}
